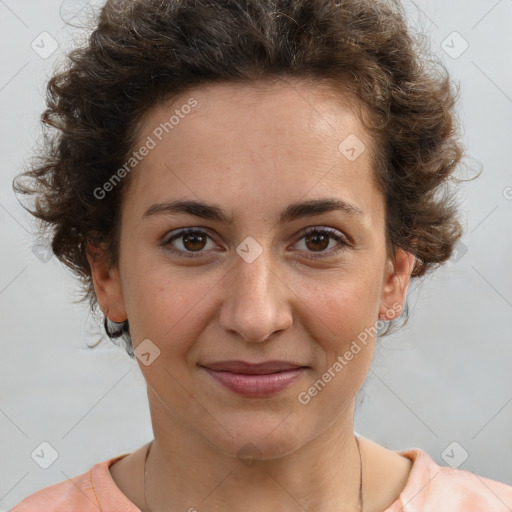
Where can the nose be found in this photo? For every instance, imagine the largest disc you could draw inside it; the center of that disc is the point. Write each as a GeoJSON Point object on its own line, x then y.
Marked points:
{"type": "Point", "coordinates": [257, 299]}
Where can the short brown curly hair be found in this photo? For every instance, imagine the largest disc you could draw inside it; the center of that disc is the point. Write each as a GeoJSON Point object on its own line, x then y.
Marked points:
{"type": "Point", "coordinates": [145, 51]}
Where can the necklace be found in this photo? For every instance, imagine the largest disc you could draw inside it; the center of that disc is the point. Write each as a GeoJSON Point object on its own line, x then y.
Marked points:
{"type": "Point", "coordinates": [360, 477]}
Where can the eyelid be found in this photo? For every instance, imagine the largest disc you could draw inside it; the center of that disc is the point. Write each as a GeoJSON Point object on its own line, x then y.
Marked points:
{"type": "Point", "coordinates": [343, 241]}
{"type": "Point", "coordinates": [166, 242]}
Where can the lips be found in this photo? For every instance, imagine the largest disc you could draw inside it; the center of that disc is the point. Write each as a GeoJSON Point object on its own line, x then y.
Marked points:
{"type": "Point", "coordinates": [254, 379]}
{"type": "Point", "coordinates": [241, 367]}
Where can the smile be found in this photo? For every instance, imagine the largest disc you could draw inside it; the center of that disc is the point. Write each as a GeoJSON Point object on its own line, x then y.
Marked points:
{"type": "Point", "coordinates": [256, 381]}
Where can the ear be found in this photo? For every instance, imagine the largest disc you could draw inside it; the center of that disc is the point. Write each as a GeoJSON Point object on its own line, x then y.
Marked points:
{"type": "Point", "coordinates": [107, 284]}
{"type": "Point", "coordinates": [395, 284]}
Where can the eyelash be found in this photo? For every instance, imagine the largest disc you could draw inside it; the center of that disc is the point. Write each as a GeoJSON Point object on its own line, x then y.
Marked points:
{"type": "Point", "coordinates": [332, 233]}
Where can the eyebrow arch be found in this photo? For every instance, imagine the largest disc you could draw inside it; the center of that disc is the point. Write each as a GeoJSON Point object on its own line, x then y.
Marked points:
{"type": "Point", "coordinates": [216, 213]}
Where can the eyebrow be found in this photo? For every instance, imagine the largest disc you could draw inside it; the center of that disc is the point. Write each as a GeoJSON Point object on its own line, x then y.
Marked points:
{"type": "Point", "coordinates": [216, 213]}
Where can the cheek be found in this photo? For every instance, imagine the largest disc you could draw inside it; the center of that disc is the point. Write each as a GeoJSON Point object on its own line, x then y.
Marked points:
{"type": "Point", "coordinates": [341, 315]}
{"type": "Point", "coordinates": [340, 304]}
{"type": "Point", "coordinates": [165, 306]}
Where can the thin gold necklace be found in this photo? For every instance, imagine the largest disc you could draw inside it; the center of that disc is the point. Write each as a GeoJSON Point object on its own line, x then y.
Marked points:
{"type": "Point", "coordinates": [146, 507]}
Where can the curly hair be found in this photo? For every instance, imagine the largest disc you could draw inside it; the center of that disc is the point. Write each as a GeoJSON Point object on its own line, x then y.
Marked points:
{"type": "Point", "coordinates": [143, 52]}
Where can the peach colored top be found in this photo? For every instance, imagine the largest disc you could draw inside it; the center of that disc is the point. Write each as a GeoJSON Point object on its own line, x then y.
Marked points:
{"type": "Point", "coordinates": [429, 488]}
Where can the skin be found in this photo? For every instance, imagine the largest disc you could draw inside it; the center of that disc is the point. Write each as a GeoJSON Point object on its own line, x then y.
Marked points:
{"type": "Point", "coordinates": [253, 151]}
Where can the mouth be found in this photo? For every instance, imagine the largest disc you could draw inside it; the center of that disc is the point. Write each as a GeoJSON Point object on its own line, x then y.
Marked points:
{"type": "Point", "coordinates": [259, 379]}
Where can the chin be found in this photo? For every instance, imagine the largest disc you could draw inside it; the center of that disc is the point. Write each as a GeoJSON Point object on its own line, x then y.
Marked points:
{"type": "Point", "coordinates": [258, 439]}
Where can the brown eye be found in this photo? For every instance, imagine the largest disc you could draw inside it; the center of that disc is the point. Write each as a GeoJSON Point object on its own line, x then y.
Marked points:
{"type": "Point", "coordinates": [188, 242]}
{"type": "Point", "coordinates": [194, 241]}
{"type": "Point", "coordinates": [317, 240]}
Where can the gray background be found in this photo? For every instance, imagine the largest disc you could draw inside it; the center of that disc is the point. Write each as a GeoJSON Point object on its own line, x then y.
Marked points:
{"type": "Point", "coordinates": [443, 378]}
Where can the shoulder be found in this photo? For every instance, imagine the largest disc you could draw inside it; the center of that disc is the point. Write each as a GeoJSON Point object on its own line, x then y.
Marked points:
{"type": "Point", "coordinates": [77, 492]}
{"type": "Point", "coordinates": [89, 492]}
{"type": "Point", "coordinates": [431, 487]}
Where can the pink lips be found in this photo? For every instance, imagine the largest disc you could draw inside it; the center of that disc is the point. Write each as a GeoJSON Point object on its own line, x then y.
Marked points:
{"type": "Point", "coordinates": [255, 379]}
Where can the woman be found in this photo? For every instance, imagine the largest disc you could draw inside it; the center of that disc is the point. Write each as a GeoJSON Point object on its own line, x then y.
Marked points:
{"type": "Point", "coordinates": [246, 190]}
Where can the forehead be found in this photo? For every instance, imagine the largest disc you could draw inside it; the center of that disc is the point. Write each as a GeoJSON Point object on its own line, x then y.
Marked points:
{"type": "Point", "coordinates": [278, 142]}
{"type": "Point", "coordinates": [238, 108]}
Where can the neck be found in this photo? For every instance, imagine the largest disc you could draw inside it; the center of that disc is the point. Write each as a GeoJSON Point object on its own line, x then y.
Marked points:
{"type": "Point", "coordinates": [184, 472]}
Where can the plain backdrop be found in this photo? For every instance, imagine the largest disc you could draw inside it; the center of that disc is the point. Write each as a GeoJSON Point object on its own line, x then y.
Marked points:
{"type": "Point", "coordinates": [443, 383]}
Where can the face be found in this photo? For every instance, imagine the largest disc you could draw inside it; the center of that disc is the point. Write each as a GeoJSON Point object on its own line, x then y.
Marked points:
{"type": "Point", "coordinates": [251, 282]}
